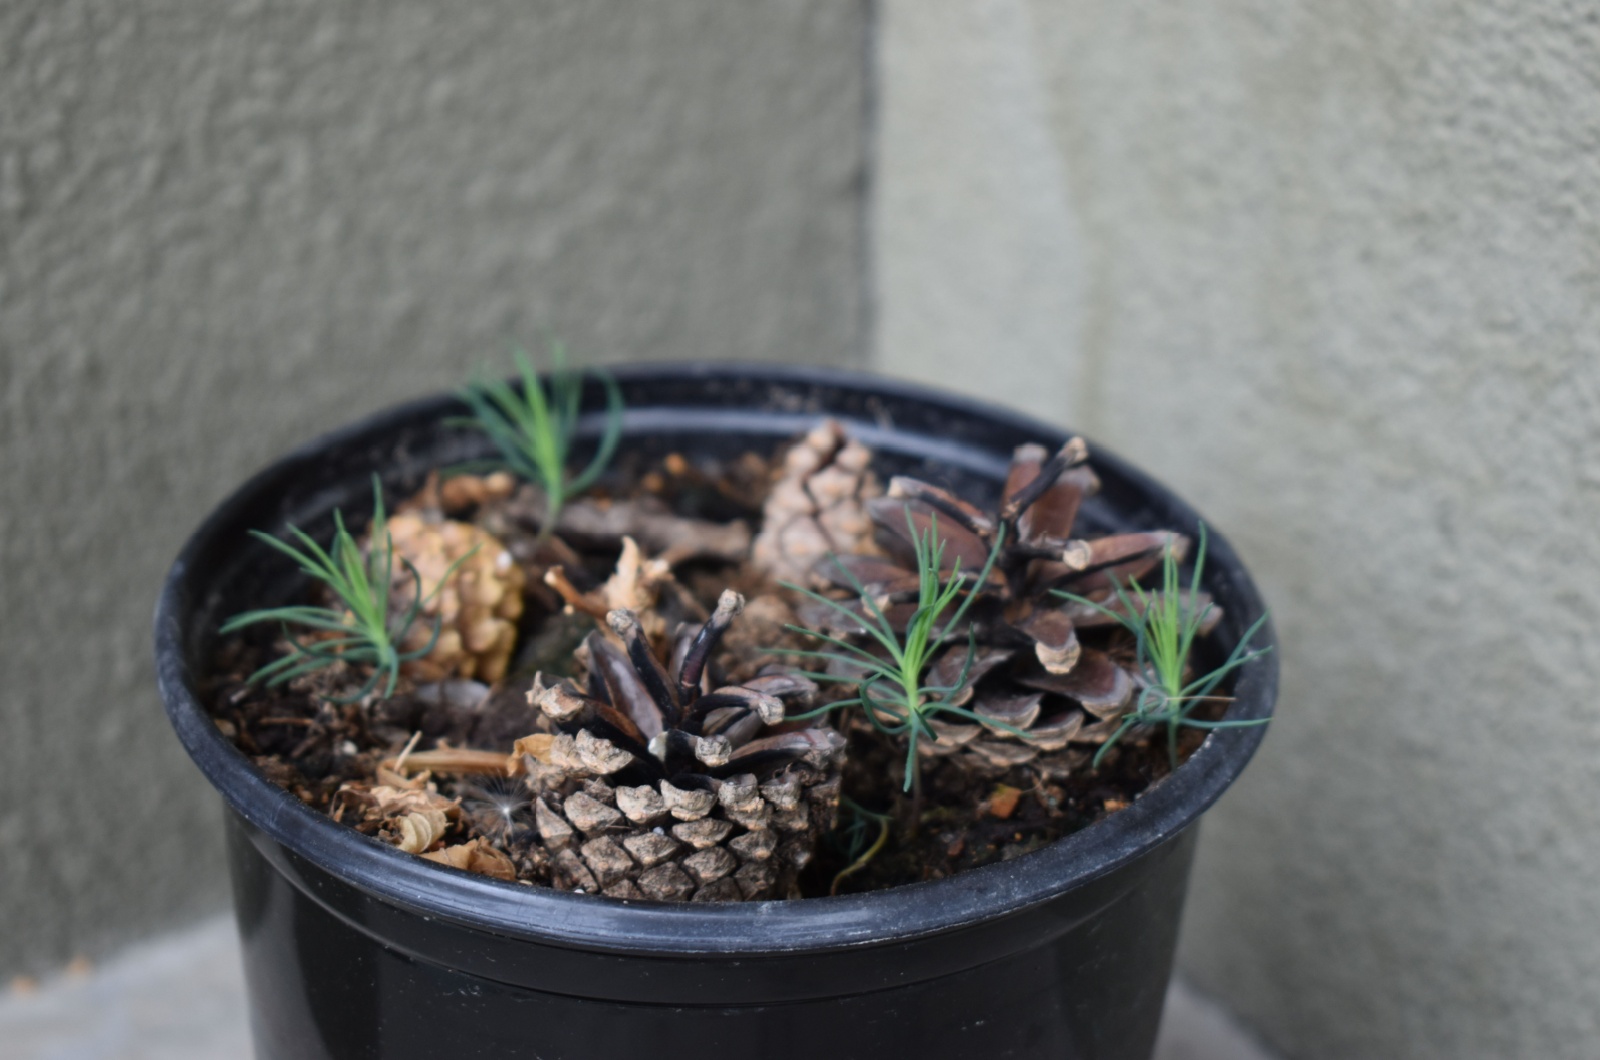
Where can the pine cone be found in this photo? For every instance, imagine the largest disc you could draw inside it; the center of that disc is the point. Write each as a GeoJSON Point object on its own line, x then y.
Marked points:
{"type": "Point", "coordinates": [476, 608]}
{"type": "Point", "coordinates": [1030, 671]}
{"type": "Point", "coordinates": [818, 505]}
{"type": "Point", "coordinates": [657, 785]}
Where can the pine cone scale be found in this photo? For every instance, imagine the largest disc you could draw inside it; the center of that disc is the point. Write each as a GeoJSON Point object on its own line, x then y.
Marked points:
{"type": "Point", "coordinates": [697, 810]}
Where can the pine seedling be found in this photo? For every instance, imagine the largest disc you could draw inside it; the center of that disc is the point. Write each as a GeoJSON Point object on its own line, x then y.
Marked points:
{"type": "Point", "coordinates": [362, 631]}
{"type": "Point", "coordinates": [533, 429]}
{"type": "Point", "coordinates": [890, 685]}
{"type": "Point", "coordinates": [853, 839]}
{"type": "Point", "coordinates": [1165, 626]}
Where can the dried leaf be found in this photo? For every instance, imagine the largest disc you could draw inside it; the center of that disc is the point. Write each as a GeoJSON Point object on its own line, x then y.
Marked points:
{"type": "Point", "coordinates": [536, 746]}
{"type": "Point", "coordinates": [387, 776]}
{"type": "Point", "coordinates": [477, 856]}
{"type": "Point", "coordinates": [416, 832]}
{"type": "Point", "coordinates": [392, 802]}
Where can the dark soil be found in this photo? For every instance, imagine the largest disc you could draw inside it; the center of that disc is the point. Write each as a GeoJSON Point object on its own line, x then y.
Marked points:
{"type": "Point", "coordinates": [966, 820]}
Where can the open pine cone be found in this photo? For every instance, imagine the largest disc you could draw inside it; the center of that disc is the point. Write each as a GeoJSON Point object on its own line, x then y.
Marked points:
{"type": "Point", "coordinates": [652, 783]}
{"type": "Point", "coordinates": [1029, 670]}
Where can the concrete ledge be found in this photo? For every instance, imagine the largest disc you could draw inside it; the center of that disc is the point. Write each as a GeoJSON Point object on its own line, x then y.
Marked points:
{"type": "Point", "coordinates": [178, 997]}
{"type": "Point", "coordinates": [181, 997]}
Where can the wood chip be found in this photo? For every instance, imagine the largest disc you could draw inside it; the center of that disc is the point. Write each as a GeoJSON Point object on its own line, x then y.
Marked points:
{"type": "Point", "coordinates": [385, 802]}
{"type": "Point", "coordinates": [658, 529]}
{"type": "Point", "coordinates": [456, 760]}
{"type": "Point", "coordinates": [1003, 801]}
{"type": "Point", "coordinates": [588, 603]}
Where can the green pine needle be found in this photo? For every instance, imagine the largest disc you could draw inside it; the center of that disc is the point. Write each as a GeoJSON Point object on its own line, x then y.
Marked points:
{"type": "Point", "coordinates": [1165, 627]}
{"type": "Point", "coordinates": [533, 427]}
{"type": "Point", "coordinates": [891, 691]}
{"type": "Point", "coordinates": [854, 839]}
{"type": "Point", "coordinates": [364, 632]}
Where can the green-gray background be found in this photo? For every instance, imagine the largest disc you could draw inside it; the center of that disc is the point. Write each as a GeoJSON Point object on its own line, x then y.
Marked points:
{"type": "Point", "coordinates": [1331, 269]}
{"type": "Point", "coordinates": [227, 227]}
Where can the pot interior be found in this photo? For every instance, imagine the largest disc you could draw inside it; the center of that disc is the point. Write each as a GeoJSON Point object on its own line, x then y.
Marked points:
{"type": "Point", "coordinates": [720, 411]}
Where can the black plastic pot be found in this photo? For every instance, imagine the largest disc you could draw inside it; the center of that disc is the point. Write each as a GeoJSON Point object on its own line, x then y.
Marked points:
{"type": "Point", "coordinates": [353, 949]}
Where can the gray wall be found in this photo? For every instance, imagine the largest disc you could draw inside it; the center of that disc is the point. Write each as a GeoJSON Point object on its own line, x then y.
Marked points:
{"type": "Point", "coordinates": [1332, 269]}
{"type": "Point", "coordinates": [224, 228]}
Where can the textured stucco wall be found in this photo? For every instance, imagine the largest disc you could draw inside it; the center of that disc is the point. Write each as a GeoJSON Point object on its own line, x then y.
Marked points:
{"type": "Point", "coordinates": [1333, 269]}
{"type": "Point", "coordinates": [225, 227]}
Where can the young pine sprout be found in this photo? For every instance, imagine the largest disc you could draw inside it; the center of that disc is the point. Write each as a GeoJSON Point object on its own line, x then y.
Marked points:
{"type": "Point", "coordinates": [1165, 626]}
{"type": "Point", "coordinates": [361, 631]}
{"type": "Point", "coordinates": [891, 683]}
{"type": "Point", "coordinates": [854, 839]}
{"type": "Point", "coordinates": [533, 428]}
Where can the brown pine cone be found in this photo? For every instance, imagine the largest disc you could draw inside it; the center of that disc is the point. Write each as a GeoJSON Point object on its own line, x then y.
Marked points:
{"type": "Point", "coordinates": [476, 608]}
{"type": "Point", "coordinates": [658, 785]}
{"type": "Point", "coordinates": [817, 507]}
{"type": "Point", "coordinates": [1029, 671]}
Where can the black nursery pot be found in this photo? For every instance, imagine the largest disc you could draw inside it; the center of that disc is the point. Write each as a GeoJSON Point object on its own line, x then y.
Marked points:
{"type": "Point", "coordinates": [354, 949]}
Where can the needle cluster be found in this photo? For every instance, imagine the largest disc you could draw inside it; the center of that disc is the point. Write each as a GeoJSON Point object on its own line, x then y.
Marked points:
{"type": "Point", "coordinates": [890, 673]}
{"type": "Point", "coordinates": [533, 426]}
{"type": "Point", "coordinates": [1165, 625]}
{"type": "Point", "coordinates": [359, 629]}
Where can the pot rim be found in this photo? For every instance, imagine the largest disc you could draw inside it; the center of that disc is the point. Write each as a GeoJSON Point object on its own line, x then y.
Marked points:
{"type": "Point", "coordinates": [739, 929]}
